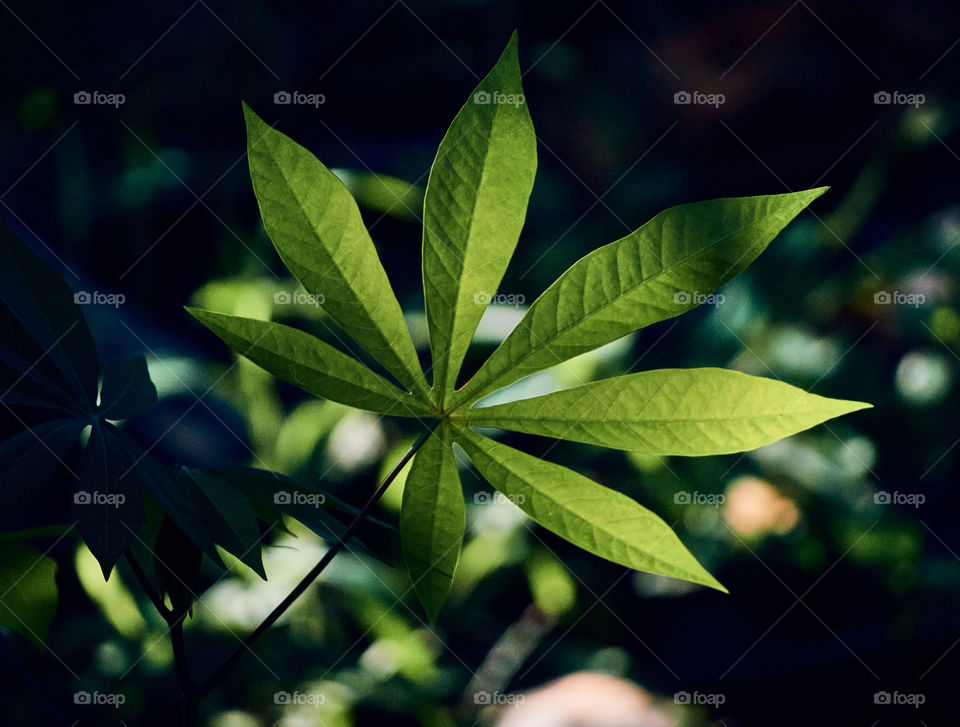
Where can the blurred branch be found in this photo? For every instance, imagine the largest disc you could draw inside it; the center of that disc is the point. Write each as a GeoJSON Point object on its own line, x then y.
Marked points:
{"type": "Point", "coordinates": [175, 622]}
{"type": "Point", "coordinates": [193, 693]}
{"type": "Point", "coordinates": [205, 687]}
{"type": "Point", "coordinates": [507, 656]}
{"type": "Point", "coordinates": [191, 700]}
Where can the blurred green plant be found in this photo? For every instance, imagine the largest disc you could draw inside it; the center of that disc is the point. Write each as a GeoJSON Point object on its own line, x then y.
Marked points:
{"type": "Point", "coordinates": [474, 206]}
{"type": "Point", "coordinates": [121, 500]}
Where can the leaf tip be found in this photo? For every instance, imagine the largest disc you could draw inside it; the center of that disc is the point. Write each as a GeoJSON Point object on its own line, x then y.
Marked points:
{"type": "Point", "coordinates": [705, 578]}
{"type": "Point", "coordinates": [204, 317]}
{"type": "Point", "coordinates": [433, 612]}
{"type": "Point", "coordinates": [253, 121]}
{"type": "Point", "coordinates": [812, 194]}
{"type": "Point", "coordinates": [106, 566]}
{"type": "Point", "coordinates": [197, 313]}
{"type": "Point", "coordinates": [511, 53]}
{"type": "Point", "coordinates": [852, 406]}
{"type": "Point", "coordinates": [833, 408]}
{"type": "Point", "coordinates": [702, 577]}
{"type": "Point", "coordinates": [256, 565]}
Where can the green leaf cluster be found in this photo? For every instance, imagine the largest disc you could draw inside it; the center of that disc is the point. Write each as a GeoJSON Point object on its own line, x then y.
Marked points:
{"type": "Point", "coordinates": [473, 211]}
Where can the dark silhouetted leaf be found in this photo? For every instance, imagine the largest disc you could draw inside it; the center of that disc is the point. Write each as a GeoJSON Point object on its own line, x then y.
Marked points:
{"type": "Point", "coordinates": [108, 498]}
{"type": "Point", "coordinates": [29, 462]}
{"type": "Point", "coordinates": [44, 306]}
{"type": "Point", "coordinates": [126, 389]}
{"type": "Point", "coordinates": [235, 529]}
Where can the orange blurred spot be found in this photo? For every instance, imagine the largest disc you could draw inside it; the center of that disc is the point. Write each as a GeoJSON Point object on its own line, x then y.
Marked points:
{"type": "Point", "coordinates": [754, 507]}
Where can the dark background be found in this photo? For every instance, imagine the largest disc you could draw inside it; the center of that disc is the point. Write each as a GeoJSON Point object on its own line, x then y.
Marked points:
{"type": "Point", "coordinates": [110, 196]}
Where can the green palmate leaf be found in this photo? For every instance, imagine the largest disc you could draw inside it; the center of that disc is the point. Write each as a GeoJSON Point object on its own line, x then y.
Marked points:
{"type": "Point", "coordinates": [48, 332]}
{"type": "Point", "coordinates": [108, 499]}
{"type": "Point", "coordinates": [432, 521]}
{"type": "Point", "coordinates": [474, 208]}
{"type": "Point", "coordinates": [660, 271]}
{"type": "Point", "coordinates": [688, 412]}
{"type": "Point", "coordinates": [316, 228]}
{"type": "Point", "coordinates": [313, 365]}
{"type": "Point", "coordinates": [475, 204]}
{"type": "Point", "coordinates": [595, 518]}
{"type": "Point", "coordinates": [28, 591]}
{"type": "Point", "coordinates": [126, 389]}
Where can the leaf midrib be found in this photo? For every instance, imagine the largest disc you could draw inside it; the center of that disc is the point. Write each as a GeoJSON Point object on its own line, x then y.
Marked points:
{"type": "Point", "coordinates": [387, 345]}
{"type": "Point", "coordinates": [444, 361]}
{"type": "Point", "coordinates": [591, 420]}
{"type": "Point", "coordinates": [663, 566]}
{"type": "Point", "coordinates": [385, 391]}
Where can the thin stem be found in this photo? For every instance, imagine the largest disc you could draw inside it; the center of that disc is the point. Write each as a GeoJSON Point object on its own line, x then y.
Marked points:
{"type": "Point", "coordinates": [180, 655]}
{"type": "Point", "coordinates": [191, 700]}
{"type": "Point", "coordinates": [175, 623]}
{"type": "Point", "coordinates": [191, 709]}
{"type": "Point", "coordinates": [302, 586]}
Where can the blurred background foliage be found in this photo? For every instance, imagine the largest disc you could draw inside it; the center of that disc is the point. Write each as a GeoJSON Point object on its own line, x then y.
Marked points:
{"type": "Point", "coordinates": [836, 594]}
